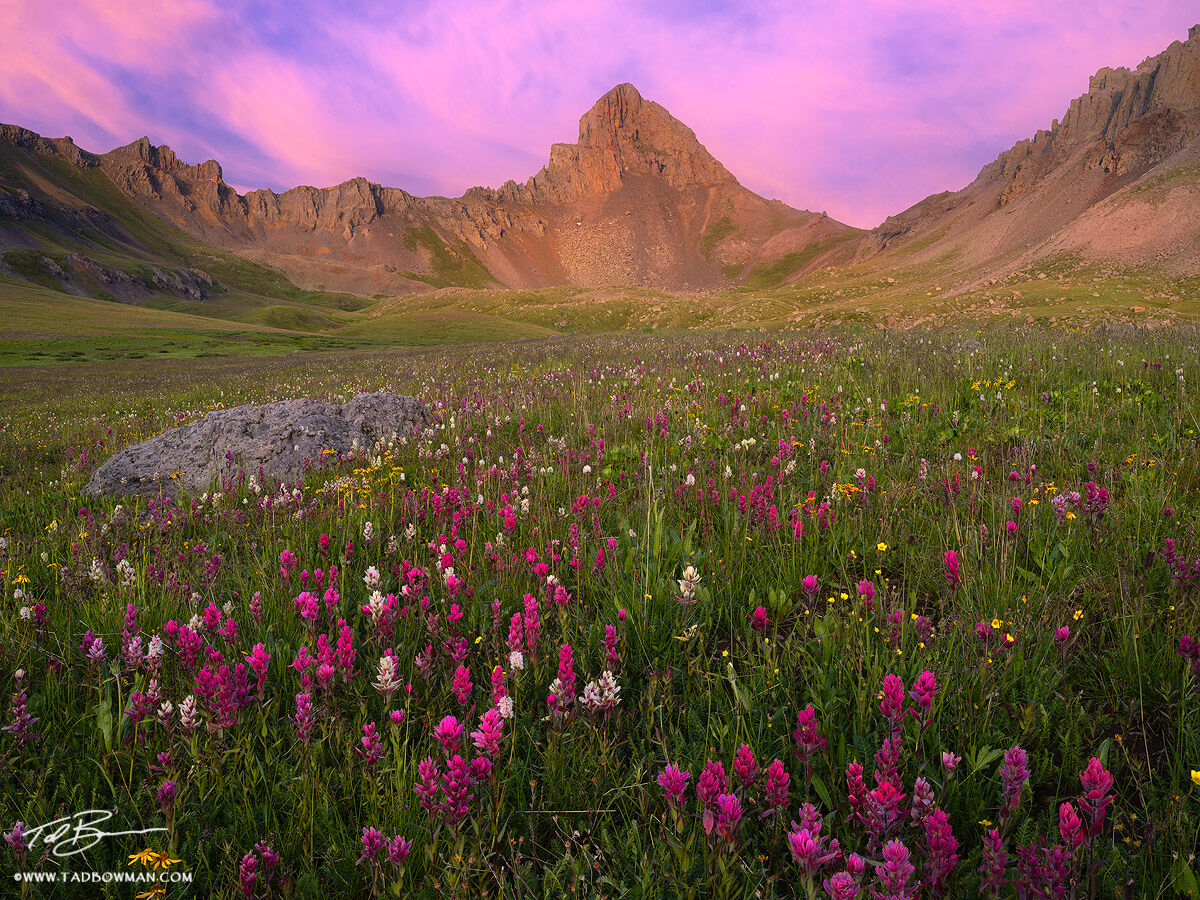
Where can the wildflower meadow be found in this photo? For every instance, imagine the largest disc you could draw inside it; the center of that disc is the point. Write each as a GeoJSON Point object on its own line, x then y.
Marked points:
{"type": "Point", "coordinates": [808, 615]}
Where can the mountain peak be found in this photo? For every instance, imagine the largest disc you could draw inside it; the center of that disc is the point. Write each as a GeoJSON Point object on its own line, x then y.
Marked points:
{"type": "Point", "coordinates": [143, 153]}
{"type": "Point", "coordinates": [624, 134]}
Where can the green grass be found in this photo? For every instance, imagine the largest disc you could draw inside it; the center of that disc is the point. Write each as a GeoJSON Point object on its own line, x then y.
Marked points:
{"type": "Point", "coordinates": [290, 318]}
{"type": "Point", "coordinates": [771, 274]}
{"type": "Point", "coordinates": [714, 234]}
{"type": "Point", "coordinates": [452, 265]}
{"type": "Point", "coordinates": [1162, 183]}
{"type": "Point", "coordinates": [442, 326]}
{"type": "Point", "coordinates": [31, 265]}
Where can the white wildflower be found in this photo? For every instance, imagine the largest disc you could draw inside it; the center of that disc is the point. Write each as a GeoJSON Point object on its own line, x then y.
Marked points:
{"type": "Point", "coordinates": [505, 707]}
{"type": "Point", "coordinates": [187, 713]}
{"type": "Point", "coordinates": [385, 681]}
{"type": "Point", "coordinates": [371, 578]}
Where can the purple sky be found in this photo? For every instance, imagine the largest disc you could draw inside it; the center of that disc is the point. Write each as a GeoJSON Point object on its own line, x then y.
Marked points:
{"type": "Point", "coordinates": [860, 109]}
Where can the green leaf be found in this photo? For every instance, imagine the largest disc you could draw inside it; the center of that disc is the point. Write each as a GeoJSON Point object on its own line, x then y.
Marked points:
{"type": "Point", "coordinates": [1184, 879]}
{"type": "Point", "coordinates": [104, 721]}
{"type": "Point", "coordinates": [822, 791]}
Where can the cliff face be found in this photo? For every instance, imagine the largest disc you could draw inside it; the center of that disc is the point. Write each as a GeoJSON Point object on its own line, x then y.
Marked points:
{"type": "Point", "coordinates": [630, 203]}
{"type": "Point", "coordinates": [1131, 124]}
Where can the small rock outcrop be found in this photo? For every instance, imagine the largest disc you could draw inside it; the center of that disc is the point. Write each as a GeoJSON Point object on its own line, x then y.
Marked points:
{"type": "Point", "coordinates": [283, 439]}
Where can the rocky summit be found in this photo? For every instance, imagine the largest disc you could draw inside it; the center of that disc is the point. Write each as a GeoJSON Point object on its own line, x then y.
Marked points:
{"type": "Point", "coordinates": [276, 441]}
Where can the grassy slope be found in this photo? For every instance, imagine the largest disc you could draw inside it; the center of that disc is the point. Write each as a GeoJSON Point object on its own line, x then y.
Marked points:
{"type": "Point", "coordinates": [135, 242]}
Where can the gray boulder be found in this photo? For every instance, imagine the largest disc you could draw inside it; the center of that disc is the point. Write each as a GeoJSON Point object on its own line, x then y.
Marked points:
{"type": "Point", "coordinates": [280, 438]}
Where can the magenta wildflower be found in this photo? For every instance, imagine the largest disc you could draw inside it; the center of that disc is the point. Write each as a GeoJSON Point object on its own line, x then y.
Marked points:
{"type": "Point", "coordinates": [287, 562]}
{"type": "Point", "coordinates": [807, 735]}
{"type": "Point", "coordinates": [712, 784]}
{"type": "Point", "coordinates": [1044, 871]}
{"type": "Point", "coordinates": [89, 648]}
{"type": "Point", "coordinates": [16, 842]}
{"type": "Point", "coordinates": [810, 819]}
{"type": "Point", "coordinates": [308, 606]}
{"type": "Point", "coordinates": [456, 790]}
{"type": "Point", "coordinates": [448, 732]}
{"type": "Point", "coordinates": [984, 633]}
{"type": "Point", "coordinates": [259, 659]}
{"type": "Point", "coordinates": [810, 585]}
{"type": "Point", "coordinates": [882, 807]}
{"type": "Point", "coordinates": [491, 729]}
{"type": "Point", "coordinates": [866, 590]}
{"type": "Point", "coordinates": [1070, 826]}
{"type": "Point", "coordinates": [166, 795]}
{"type": "Point", "coordinates": [729, 814]}
{"type": "Point", "coordinates": [480, 769]}
{"type": "Point", "coordinates": [923, 801]}
{"type": "Point", "coordinates": [759, 620]}
{"type": "Point", "coordinates": [325, 674]}
{"type": "Point", "coordinates": [248, 874]}
{"type": "Point", "coordinates": [372, 844]}
{"type": "Point", "coordinates": [887, 759]}
{"type": "Point", "coordinates": [498, 689]}
{"type": "Point", "coordinates": [995, 862]}
{"type": "Point", "coordinates": [1097, 782]}
{"type": "Point", "coordinates": [893, 874]}
{"type": "Point", "coordinates": [953, 576]}
{"type": "Point", "coordinates": [809, 851]}
{"type": "Point", "coordinates": [427, 787]}
{"type": "Point", "coordinates": [371, 748]}
{"type": "Point", "coordinates": [1014, 773]}
{"type": "Point", "coordinates": [562, 691]}
{"type": "Point", "coordinates": [345, 650]}
{"type": "Point", "coordinates": [398, 851]}
{"type": "Point", "coordinates": [304, 717]}
{"type": "Point", "coordinates": [841, 886]}
{"type": "Point", "coordinates": [532, 622]}
{"type": "Point", "coordinates": [461, 685]}
{"type": "Point", "coordinates": [516, 633]}
{"type": "Point", "coordinates": [673, 781]}
{"type": "Point", "coordinates": [856, 790]}
{"type": "Point", "coordinates": [775, 790]}
{"type": "Point", "coordinates": [611, 655]}
{"type": "Point", "coordinates": [270, 857]}
{"type": "Point", "coordinates": [745, 768]}
{"type": "Point", "coordinates": [950, 763]}
{"type": "Point", "coordinates": [941, 850]}
{"type": "Point", "coordinates": [892, 701]}
{"type": "Point", "coordinates": [923, 693]}
{"type": "Point", "coordinates": [22, 721]}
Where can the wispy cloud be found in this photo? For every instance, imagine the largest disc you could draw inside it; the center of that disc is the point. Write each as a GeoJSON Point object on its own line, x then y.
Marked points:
{"type": "Point", "coordinates": [860, 109]}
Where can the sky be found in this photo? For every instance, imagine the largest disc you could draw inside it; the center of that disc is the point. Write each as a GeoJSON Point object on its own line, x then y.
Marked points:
{"type": "Point", "coordinates": [859, 109]}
